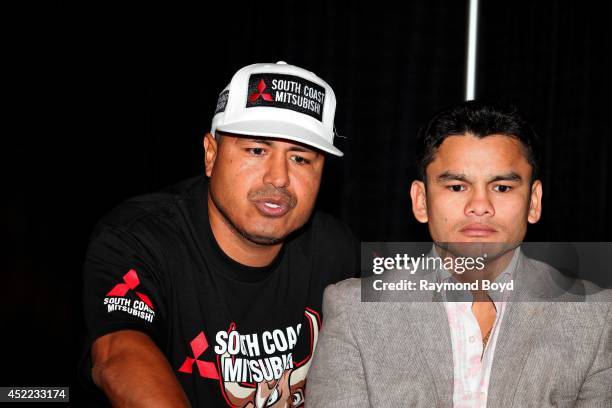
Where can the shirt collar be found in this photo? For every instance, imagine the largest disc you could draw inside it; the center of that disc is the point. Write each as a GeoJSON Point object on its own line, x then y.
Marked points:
{"type": "Point", "coordinates": [507, 275]}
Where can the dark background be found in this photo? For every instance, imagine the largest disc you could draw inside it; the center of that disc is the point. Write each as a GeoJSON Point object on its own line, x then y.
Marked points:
{"type": "Point", "coordinates": [108, 103]}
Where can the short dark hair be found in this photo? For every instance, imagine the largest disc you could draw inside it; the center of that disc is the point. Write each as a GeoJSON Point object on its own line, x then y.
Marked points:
{"type": "Point", "coordinates": [480, 119]}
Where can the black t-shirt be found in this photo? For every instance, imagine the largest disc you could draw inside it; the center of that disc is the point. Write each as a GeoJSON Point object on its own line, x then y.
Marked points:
{"type": "Point", "coordinates": [231, 333]}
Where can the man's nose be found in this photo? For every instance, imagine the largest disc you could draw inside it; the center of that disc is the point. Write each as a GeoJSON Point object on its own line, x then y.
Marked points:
{"type": "Point", "coordinates": [479, 203]}
{"type": "Point", "coordinates": [277, 171]}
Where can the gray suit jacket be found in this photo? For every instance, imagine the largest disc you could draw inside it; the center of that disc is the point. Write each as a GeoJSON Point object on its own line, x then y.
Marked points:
{"type": "Point", "coordinates": [553, 352]}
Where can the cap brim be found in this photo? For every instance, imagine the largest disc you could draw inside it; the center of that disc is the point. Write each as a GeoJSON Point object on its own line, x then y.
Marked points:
{"type": "Point", "coordinates": [280, 130]}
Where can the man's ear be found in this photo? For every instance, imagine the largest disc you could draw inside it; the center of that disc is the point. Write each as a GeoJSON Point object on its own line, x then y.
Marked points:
{"type": "Point", "coordinates": [210, 153]}
{"type": "Point", "coordinates": [535, 202]}
{"type": "Point", "coordinates": [418, 194]}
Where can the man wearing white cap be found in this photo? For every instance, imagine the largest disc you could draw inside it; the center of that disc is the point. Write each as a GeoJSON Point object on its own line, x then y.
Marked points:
{"type": "Point", "coordinates": [209, 293]}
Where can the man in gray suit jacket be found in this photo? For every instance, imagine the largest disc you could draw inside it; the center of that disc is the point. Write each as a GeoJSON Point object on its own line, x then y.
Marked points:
{"type": "Point", "coordinates": [547, 343]}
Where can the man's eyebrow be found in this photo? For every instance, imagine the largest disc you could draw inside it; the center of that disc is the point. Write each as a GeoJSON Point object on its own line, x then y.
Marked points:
{"type": "Point", "coordinates": [450, 176]}
{"type": "Point", "coordinates": [301, 149]}
{"type": "Point", "coordinates": [261, 141]}
{"type": "Point", "coordinates": [510, 176]}
{"type": "Point", "coordinates": [293, 148]}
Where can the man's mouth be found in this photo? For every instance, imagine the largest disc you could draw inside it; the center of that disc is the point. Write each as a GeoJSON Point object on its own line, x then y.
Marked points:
{"type": "Point", "coordinates": [272, 207]}
{"type": "Point", "coordinates": [477, 230]}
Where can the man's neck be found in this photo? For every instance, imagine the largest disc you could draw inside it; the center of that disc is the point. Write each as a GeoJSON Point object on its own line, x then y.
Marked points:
{"type": "Point", "coordinates": [493, 268]}
{"type": "Point", "coordinates": [236, 246]}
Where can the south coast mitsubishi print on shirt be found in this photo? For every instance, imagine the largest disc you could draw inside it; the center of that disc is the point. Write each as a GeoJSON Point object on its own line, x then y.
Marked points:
{"type": "Point", "coordinates": [257, 369]}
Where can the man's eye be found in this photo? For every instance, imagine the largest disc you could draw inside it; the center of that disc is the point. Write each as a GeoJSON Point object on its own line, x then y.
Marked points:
{"type": "Point", "coordinates": [456, 188]}
{"type": "Point", "coordinates": [256, 151]}
{"type": "Point", "coordinates": [502, 188]}
{"type": "Point", "coordinates": [300, 160]}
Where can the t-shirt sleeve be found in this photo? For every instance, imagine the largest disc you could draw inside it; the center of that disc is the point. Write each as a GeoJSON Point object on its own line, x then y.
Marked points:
{"type": "Point", "coordinates": [123, 288]}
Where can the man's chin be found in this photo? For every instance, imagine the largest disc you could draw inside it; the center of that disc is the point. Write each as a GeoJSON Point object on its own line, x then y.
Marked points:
{"type": "Point", "coordinates": [262, 237]}
{"type": "Point", "coordinates": [478, 248]}
{"type": "Point", "coordinates": [269, 232]}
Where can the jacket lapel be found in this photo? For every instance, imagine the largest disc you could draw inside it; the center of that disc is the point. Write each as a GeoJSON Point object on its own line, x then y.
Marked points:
{"type": "Point", "coordinates": [432, 333]}
{"type": "Point", "coordinates": [422, 324]}
{"type": "Point", "coordinates": [520, 325]}
{"type": "Point", "coordinates": [515, 341]}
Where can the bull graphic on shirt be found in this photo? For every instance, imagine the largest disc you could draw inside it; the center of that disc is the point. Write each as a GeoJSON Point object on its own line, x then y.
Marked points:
{"type": "Point", "coordinates": [286, 391]}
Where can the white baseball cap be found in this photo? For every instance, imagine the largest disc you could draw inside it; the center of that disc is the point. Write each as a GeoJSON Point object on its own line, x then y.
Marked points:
{"type": "Point", "coordinates": [278, 100]}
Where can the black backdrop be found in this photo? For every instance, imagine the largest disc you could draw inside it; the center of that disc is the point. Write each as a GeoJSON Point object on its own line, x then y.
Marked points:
{"type": "Point", "coordinates": [110, 103]}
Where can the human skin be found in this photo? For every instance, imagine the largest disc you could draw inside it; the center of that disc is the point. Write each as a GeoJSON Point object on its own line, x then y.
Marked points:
{"type": "Point", "coordinates": [133, 372]}
{"type": "Point", "coordinates": [478, 190]}
{"type": "Point", "coordinates": [260, 191]}
{"type": "Point", "coordinates": [479, 197]}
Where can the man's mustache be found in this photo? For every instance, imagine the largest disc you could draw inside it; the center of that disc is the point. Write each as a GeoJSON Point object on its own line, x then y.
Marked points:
{"type": "Point", "coordinates": [273, 194]}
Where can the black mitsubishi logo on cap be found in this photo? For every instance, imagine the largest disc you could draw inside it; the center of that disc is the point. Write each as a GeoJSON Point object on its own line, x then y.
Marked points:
{"type": "Point", "coordinates": [286, 92]}
{"type": "Point", "coordinates": [222, 101]}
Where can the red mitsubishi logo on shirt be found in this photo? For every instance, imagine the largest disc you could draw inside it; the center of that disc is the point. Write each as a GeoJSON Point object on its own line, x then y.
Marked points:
{"type": "Point", "coordinates": [206, 369]}
{"type": "Point", "coordinates": [131, 282]}
{"type": "Point", "coordinates": [261, 87]}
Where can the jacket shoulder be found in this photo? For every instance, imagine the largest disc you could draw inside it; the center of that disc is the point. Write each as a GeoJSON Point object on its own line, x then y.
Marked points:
{"type": "Point", "coordinates": [348, 290]}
